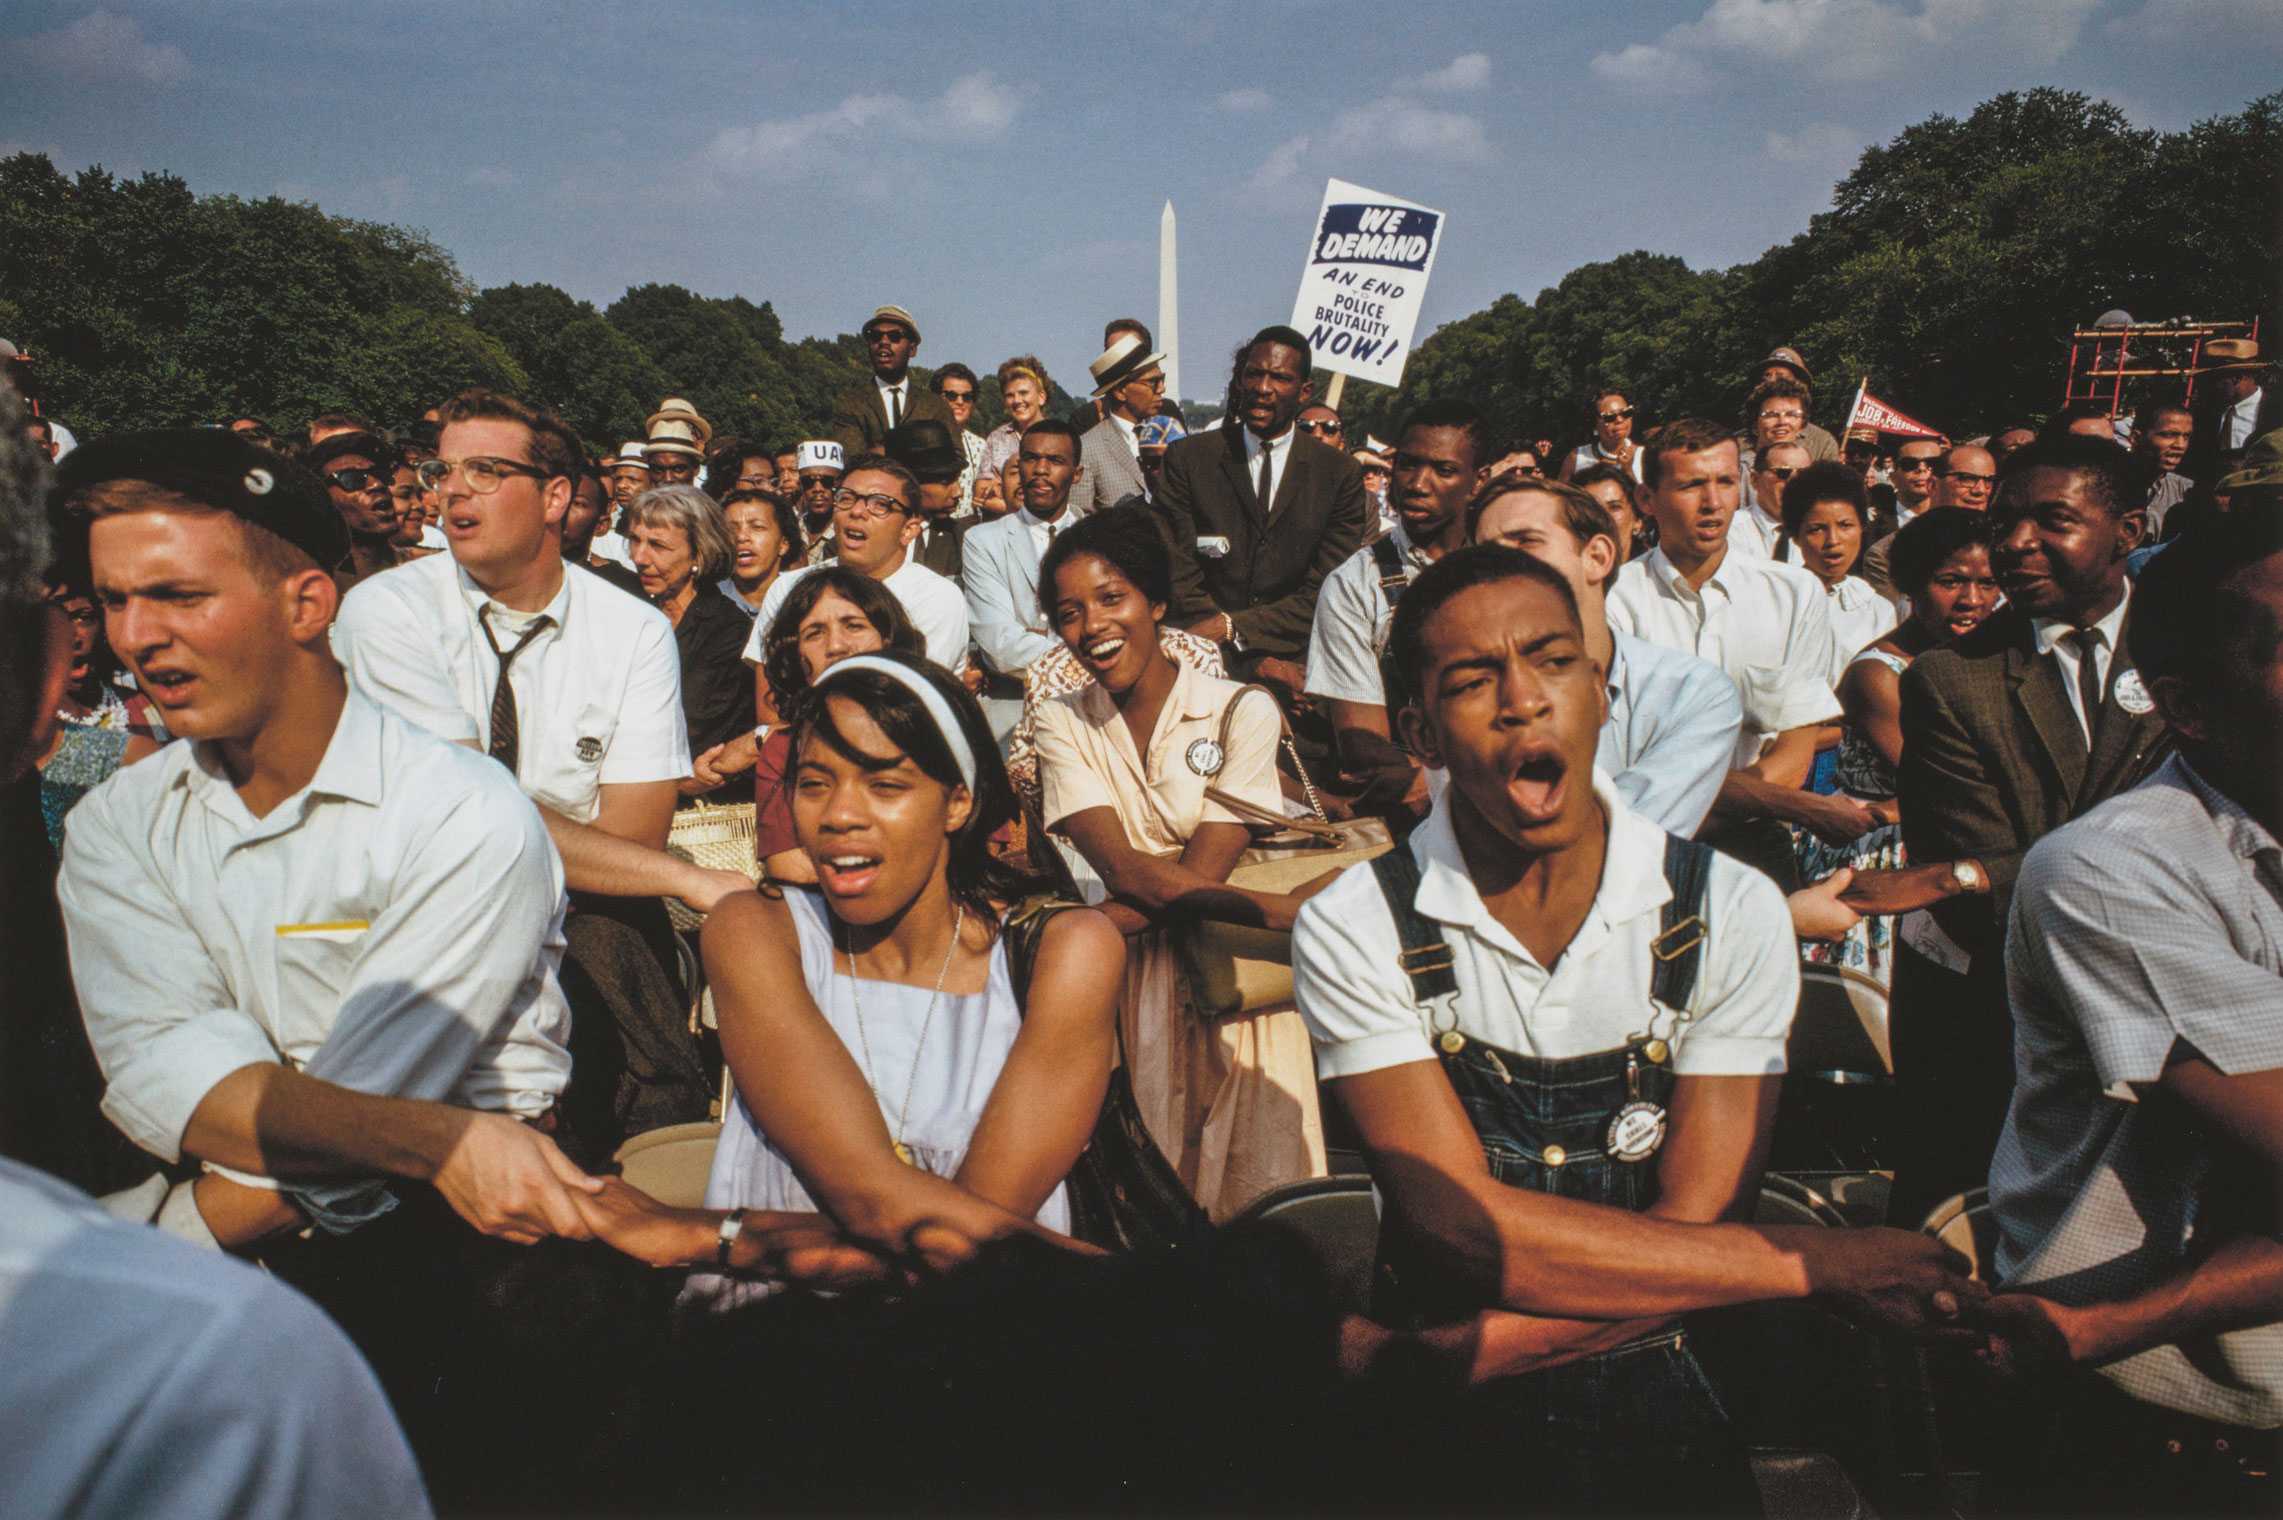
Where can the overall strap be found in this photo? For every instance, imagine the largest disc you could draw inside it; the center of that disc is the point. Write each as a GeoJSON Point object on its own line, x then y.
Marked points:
{"type": "Point", "coordinates": [1394, 575]}
{"type": "Point", "coordinates": [1425, 958]}
{"type": "Point", "coordinates": [1678, 949]}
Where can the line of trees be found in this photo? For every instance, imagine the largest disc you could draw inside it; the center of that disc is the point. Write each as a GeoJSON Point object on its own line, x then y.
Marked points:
{"type": "Point", "coordinates": [1952, 264]}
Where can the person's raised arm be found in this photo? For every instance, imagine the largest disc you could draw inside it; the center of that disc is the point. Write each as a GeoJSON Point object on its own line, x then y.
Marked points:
{"type": "Point", "coordinates": [1044, 1105]}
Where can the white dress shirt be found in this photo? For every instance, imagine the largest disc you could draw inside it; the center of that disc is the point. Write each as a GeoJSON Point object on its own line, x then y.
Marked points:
{"type": "Point", "coordinates": [1280, 460]}
{"type": "Point", "coordinates": [1126, 431]}
{"type": "Point", "coordinates": [598, 696]}
{"type": "Point", "coordinates": [2241, 418]}
{"type": "Point", "coordinates": [1349, 979]}
{"type": "Point", "coordinates": [933, 602]}
{"type": "Point", "coordinates": [609, 544]}
{"type": "Point", "coordinates": [1752, 531]}
{"type": "Point", "coordinates": [1766, 625]}
{"type": "Point", "coordinates": [141, 1376]}
{"type": "Point", "coordinates": [1859, 616]}
{"type": "Point", "coordinates": [2053, 639]}
{"type": "Point", "coordinates": [1352, 621]}
{"type": "Point", "coordinates": [394, 927]}
{"type": "Point", "coordinates": [1670, 738]}
{"type": "Point", "coordinates": [895, 400]}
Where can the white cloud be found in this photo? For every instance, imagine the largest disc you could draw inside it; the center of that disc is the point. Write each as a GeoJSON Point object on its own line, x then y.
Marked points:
{"type": "Point", "coordinates": [1845, 41]}
{"type": "Point", "coordinates": [2193, 24]}
{"type": "Point", "coordinates": [836, 141]}
{"type": "Point", "coordinates": [1817, 143]}
{"type": "Point", "coordinates": [1392, 121]}
{"type": "Point", "coordinates": [1281, 169]}
{"type": "Point", "coordinates": [101, 48]}
{"type": "Point", "coordinates": [1246, 100]}
{"type": "Point", "coordinates": [1468, 71]}
{"type": "Point", "coordinates": [491, 177]}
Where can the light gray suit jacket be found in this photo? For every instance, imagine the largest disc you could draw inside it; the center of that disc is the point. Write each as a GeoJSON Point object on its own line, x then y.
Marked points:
{"type": "Point", "coordinates": [1112, 471]}
{"type": "Point", "coordinates": [999, 571]}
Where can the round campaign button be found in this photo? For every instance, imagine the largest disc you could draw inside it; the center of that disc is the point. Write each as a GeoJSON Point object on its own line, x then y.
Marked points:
{"type": "Point", "coordinates": [1636, 1132]}
{"type": "Point", "coordinates": [1205, 757]}
{"type": "Point", "coordinates": [2132, 694]}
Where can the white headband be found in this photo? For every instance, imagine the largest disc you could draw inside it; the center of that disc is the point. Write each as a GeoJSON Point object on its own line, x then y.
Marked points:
{"type": "Point", "coordinates": [946, 721]}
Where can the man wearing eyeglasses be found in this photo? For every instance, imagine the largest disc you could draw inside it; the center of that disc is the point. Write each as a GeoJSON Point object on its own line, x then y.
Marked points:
{"type": "Point", "coordinates": [875, 519]}
{"type": "Point", "coordinates": [862, 417]}
{"type": "Point", "coordinates": [1129, 382]}
{"type": "Point", "coordinates": [356, 468]}
{"type": "Point", "coordinates": [1757, 528]}
{"type": "Point", "coordinates": [955, 383]}
{"type": "Point", "coordinates": [576, 687]}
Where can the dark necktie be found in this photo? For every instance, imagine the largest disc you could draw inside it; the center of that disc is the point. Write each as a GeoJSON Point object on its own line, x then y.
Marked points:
{"type": "Point", "coordinates": [895, 404]}
{"type": "Point", "coordinates": [504, 746]}
{"type": "Point", "coordinates": [1267, 477]}
{"type": "Point", "coordinates": [2089, 643]}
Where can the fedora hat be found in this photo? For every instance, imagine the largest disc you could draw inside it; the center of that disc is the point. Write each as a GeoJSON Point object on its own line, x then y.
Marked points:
{"type": "Point", "coordinates": [676, 435]}
{"type": "Point", "coordinates": [2222, 355]}
{"type": "Point", "coordinates": [895, 314]}
{"type": "Point", "coordinates": [675, 409]}
{"type": "Point", "coordinates": [925, 447]}
{"type": "Point", "coordinates": [1790, 359]}
{"type": "Point", "coordinates": [630, 458]}
{"type": "Point", "coordinates": [1124, 359]}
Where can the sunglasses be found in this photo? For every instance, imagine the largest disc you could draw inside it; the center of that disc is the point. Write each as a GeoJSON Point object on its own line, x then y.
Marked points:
{"type": "Point", "coordinates": [1615, 416]}
{"type": "Point", "coordinates": [1782, 472]}
{"type": "Point", "coordinates": [952, 395]}
{"type": "Point", "coordinates": [355, 482]}
{"type": "Point", "coordinates": [878, 334]}
{"type": "Point", "coordinates": [1320, 428]}
{"type": "Point", "coordinates": [1913, 466]}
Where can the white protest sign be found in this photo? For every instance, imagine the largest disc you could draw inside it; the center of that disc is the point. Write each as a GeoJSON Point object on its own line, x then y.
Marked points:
{"type": "Point", "coordinates": [1365, 278]}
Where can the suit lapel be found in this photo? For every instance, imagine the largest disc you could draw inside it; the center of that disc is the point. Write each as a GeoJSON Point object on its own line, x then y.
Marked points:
{"type": "Point", "coordinates": [2035, 681]}
{"type": "Point", "coordinates": [1026, 562]}
{"type": "Point", "coordinates": [2122, 741]}
{"type": "Point", "coordinates": [1240, 478]}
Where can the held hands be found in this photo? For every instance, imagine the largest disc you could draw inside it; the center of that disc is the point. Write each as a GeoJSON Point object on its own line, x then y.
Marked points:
{"type": "Point", "coordinates": [1900, 891]}
{"type": "Point", "coordinates": [1897, 1281]}
{"type": "Point", "coordinates": [2031, 1337]}
{"type": "Point", "coordinates": [1835, 819]}
{"type": "Point", "coordinates": [509, 1180]}
{"type": "Point", "coordinates": [1823, 911]}
{"type": "Point", "coordinates": [733, 757]}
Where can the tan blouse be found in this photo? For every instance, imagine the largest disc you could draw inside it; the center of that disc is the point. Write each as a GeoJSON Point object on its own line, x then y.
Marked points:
{"type": "Point", "coordinates": [1087, 759]}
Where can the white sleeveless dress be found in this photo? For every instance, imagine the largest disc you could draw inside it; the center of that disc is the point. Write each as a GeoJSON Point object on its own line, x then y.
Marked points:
{"type": "Point", "coordinates": [966, 1049]}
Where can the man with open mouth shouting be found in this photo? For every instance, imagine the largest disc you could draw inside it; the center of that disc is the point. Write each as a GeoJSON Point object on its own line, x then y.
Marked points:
{"type": "Point", "coordinates": [1560, 1031]}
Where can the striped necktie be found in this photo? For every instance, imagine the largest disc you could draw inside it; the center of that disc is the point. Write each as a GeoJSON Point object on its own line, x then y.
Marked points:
{"type": "Point", "coordinates": [505, 739]}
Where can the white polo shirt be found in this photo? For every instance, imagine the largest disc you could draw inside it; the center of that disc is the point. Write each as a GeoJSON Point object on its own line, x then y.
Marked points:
{"type": "Point", "coordinates": [1766, 625]}
{"type": "Point", "coordinates": [142, 1376]}
{"type": "Point", "coordinates": [598, 695]}
{"type": "Point", "coordinates": [934, 603]}
{"type": "Point", "coordinates": [394, 927]}
{"type": "Point", "coordinates": [1353, 619]}
{"type": "Point", "coordinates": [1356, 997]}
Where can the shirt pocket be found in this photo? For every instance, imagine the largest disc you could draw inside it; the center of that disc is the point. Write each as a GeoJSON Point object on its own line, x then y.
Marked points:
{"type": "Point", "coordinates": [569, 778]}
{"type": "Point", "coordinates": [315, 963]}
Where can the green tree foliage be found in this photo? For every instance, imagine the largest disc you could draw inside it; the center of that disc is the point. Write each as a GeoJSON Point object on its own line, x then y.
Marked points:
{"type": "Point", "coordinates": [575, 360]}
{"type": "Point", "coordinates": [1949, 271]}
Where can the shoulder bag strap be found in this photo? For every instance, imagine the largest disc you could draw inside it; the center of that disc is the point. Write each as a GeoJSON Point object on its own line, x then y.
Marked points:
{"type": "Point", "coordinates": [1426, 955]}
{"type": "Point", "coordinates": [1678, 950]}
{"type": "Point", "coordinates": [1394, 575]}
{"type": "Point", "coordinates": [1321, 827]}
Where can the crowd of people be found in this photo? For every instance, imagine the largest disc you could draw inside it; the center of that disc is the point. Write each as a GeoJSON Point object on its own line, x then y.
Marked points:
{"type": "Point", "coordinates": [1146, 821]}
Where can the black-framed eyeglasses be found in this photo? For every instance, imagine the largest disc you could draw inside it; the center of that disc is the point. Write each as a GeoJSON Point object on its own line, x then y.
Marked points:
{"type": "Point", "coordinates": [1913, 466]}
{"type": "Point", "coordinates": [1617, 416]}
{"type": "Point", "coordinates": [878, 334]}
{"type": "Point", "coordinates": [868, 503]}
{"type": "Point", "coordinates": [482, 473]}
{"type": "Point", "coordinates": [1776, 416]}
{"type": "Point", "coordinates": [1154, 382]}
{"type": "Point", "coordinates": [1322, 426]}
{"type": "Point", "coordinates": [355, 482]}
{"type": "Point", "coordinates": [1965, 478]}
{"type": "Point", "coordinates": [952, 395]}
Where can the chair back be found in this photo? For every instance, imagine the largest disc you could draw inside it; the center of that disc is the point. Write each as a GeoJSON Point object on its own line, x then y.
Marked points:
{"type": "Point", "coordinates": [1337, 1220]}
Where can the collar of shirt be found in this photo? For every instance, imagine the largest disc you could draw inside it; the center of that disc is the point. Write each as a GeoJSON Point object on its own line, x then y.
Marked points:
{"type": "Point", "coordinates": [1126, 431]}
{"type": "Point", "coordinates": [1632, 878]}
{"type": "Point", "coordinates": [1042, 532]}
{"type": "Point", "coordinates": [350, 769]}
{"type": "Point", "coordinates": [1280, 446]}
{"type": "Point", "coordinates": [1615, 676]}
{"type": "Point", "coordinates": [2249, 405]}
{"type": "Point", "coordinates": [1668, 579]}
{"type": "Point", "coordinates": [1412, 554]}
{"type": "Point", "coordinates": [1188, 700]}
{"type": "Point", "coordinates": [2245, 835]}
{"type": "Point", "coordinates": [558, 607]}
{"type": "Point", "coordinates": [886, 390]}
{"type": "Point", "coordinates": [2051, 631]}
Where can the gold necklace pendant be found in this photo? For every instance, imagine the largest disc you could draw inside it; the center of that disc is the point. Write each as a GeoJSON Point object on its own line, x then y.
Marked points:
{"type": "Point", "coordinates": [904, 1154]}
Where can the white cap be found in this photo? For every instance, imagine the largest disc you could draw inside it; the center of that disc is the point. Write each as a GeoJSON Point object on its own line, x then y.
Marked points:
{"type": "Point", "coordinates": [819, 454]}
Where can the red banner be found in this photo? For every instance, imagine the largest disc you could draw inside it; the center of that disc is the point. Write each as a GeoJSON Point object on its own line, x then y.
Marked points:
{"type": "Point", "coordinates": [1870, 411]}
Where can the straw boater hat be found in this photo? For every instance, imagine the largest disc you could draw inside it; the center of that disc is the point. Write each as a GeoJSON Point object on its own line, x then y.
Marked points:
{"type": "Point", "coordinates": [1124, 359]}
{"type": "Point", "coordinates": [630, 458]}
{"type": "Point", "coordinates": [676, 428]}
{"type": "Point", "coordinates": [2230, 355]}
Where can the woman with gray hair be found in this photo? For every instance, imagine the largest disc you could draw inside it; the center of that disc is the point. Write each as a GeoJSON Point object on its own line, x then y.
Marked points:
{"type": "Point", "coordinates": [679, 542]}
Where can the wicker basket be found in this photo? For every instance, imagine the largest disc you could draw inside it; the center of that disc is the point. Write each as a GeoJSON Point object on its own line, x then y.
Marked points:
{"type": "Point", "coordinates": [717, 836]}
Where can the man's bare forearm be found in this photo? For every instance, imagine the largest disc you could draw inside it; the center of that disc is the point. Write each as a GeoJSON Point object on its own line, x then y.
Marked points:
{"type": "Point", "coordinates": [2238, 1286]}
{"type": "Point", "coordinates": [608, 866]}
{"type": "Point", "coordinates": [274, 1121]}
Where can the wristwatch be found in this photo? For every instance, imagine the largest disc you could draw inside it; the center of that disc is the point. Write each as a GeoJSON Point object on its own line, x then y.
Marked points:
{"type": "Point", "coordinates": [732, 1225]}
{"type": "Point", "coordinates": [1965, 877]}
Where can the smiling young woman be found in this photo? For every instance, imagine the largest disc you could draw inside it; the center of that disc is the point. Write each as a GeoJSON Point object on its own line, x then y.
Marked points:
{"type": "Point", "coordinates": [1124, 767]}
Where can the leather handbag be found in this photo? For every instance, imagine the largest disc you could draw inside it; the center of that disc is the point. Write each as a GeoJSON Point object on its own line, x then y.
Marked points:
{"type": "Point", "coordinates": [1232, 969]}
{"type": "Point", "coordinates": [1124, 1195]}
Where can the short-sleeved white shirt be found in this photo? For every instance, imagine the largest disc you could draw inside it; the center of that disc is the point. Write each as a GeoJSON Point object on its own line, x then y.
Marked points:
{"type": "Point", "coordinates": [1356, 997]}
{"type": "Point", "coordinates": [1353, 617]}
{"type": "Point", "coordinates": [1766, 625]}
{"type": "Point", "coordinates": [395, 927]}
{"type": "Point", "coordinates": [934, 603]}
{"type": "Point", "coordinates": [598, 696]}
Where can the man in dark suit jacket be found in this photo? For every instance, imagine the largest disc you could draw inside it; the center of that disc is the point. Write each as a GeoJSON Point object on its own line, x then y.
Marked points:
{"type": "Point", "coordinates": [861, 418]}
{"type": "Point", "coordinates": [2234, 405]}
{"type": "Point", "coordinates": [931, 451]}
{"type": "Point", "coordinates": [2007, 736]}
{"type": "Point", "coordinates": [1247, 572]}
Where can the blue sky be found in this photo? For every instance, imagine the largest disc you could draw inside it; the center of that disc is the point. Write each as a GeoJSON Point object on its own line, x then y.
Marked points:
{"type": "Point", "coordinates": [999, 167]}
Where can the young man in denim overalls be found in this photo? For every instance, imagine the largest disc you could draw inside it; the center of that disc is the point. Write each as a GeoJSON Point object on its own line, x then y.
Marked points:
{"type": "Point", "coordinates": [1560, 1034]}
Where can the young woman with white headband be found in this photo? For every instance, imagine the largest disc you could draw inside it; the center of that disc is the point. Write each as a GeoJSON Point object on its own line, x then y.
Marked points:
{"type": "Point", "coordinates": [896, 1103]}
